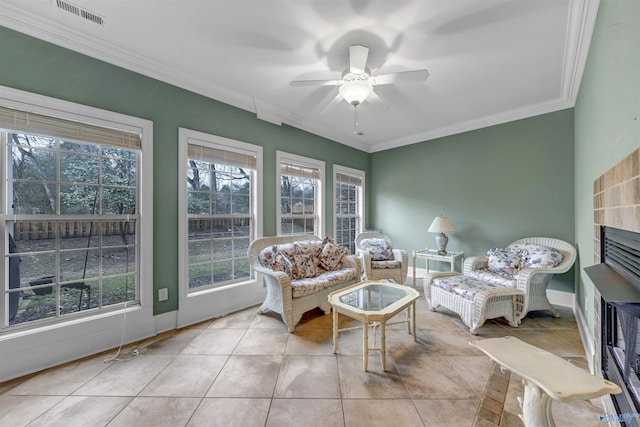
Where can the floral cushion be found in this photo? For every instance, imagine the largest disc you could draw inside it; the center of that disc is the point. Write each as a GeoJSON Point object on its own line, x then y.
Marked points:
{"type": "Point", "coordinates": [282, 263]}
{"type": "Point", "coordinates": [501, 279]}
{"type": "Point", "coordinates": [380, 249]}
{"type": "Point", "coordinates": [311, 285]}
{"type": "Point", "coordinates": [332, 255]}
{"type": "Point", "coordinates": [388, 263]}
{"type": "Point", "coordinates": [266, 256]}
{"type": "Point", "coordinates": [505, 262]}
{"type": "Point", "coordinates": [464, 286]}
{"type": "Point", "coordinates": [538, 256]}
{"type": "Point", "coordinates": [304, 258]}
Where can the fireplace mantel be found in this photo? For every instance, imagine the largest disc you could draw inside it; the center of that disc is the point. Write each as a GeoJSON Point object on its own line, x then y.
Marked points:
{"type": "Point", "coordinates": [613, 286]}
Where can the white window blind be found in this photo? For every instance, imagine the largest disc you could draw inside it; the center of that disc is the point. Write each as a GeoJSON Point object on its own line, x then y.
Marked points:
{"type": "Point", "coordinates": [224, 157]}
{"type": "Point", "coordinates": [38, 124]}
{"type": "Point", "coordinates": [293, 169]}
{"type": "Point", "coordinates": [348, 179]}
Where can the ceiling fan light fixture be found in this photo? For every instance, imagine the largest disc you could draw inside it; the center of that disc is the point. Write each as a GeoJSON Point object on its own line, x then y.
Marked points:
{"type": "Point", "coordinates": [356, 90]}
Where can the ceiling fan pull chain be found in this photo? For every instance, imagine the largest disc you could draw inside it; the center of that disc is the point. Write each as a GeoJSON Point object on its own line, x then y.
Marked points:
{"type": "Point", "coordinates": [355, 120]}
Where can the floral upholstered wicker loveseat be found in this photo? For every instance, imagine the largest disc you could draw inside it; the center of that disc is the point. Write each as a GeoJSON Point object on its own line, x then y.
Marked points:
{"type": "Point", "coordinates": [299, 272]}
{"type": "Point", "coordinates": [506, 283]}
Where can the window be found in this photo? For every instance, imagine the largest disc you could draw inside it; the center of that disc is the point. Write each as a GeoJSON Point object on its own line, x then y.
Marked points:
{"type": "Point", "coordinates": [219, 182]}
{"type": "Point", "coordinates": [70, 214]}
{"type": "Point", "coordinates": [349, 205]}
{"type": "Point", "coordinates": [300, 196]}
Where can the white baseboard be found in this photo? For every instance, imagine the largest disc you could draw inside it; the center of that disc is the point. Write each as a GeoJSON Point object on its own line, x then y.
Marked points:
{"type": "Point", "coordinates": [587, 338]}
{"type": "Point", "coordinates": [561, 298]}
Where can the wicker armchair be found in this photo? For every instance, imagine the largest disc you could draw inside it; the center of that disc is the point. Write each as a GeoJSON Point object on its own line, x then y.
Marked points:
{"type": "Point", "coordinates": [478, 294]}
{"type": "Point", "coordinates": [532, 282]}
{"type": "Point", "coordinates": [395, 268]}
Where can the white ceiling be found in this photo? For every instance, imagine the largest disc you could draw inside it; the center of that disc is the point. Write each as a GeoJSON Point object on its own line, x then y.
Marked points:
{"type": "Point", "coordinates": [490, 61]}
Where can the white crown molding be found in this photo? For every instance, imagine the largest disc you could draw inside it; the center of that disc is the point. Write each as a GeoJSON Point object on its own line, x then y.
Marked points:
{"type": "Point", "coordinates": [482, 122]}
{"type": "Point", "coordinates": [582, 16]}
{"type": "Point", "coordinates": [582, 19]}
{"type": "Point", "coordinates": [61, 35]}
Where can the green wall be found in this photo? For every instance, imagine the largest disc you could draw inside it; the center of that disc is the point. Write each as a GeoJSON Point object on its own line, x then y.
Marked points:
{"type": "Point", "coordinates": [33, 65]}
{"type": "Point", "coordinates": [496, 184]}
{"type": "Point", "coordinates": [607, 120]}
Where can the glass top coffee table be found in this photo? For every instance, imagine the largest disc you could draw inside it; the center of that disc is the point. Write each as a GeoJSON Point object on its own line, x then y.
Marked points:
{"type": "Point", "coordinates": [373, 303]}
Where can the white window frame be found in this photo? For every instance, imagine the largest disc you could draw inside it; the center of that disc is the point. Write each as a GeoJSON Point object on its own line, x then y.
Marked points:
{"type": "Point", "coordinates": [101, 329]}
{"type": "Point", "coordinates": [202, 304]}
{"type": "Point", "coordinates": [357, 173]}
{"type": "Point", "coordinates": [283, 157]}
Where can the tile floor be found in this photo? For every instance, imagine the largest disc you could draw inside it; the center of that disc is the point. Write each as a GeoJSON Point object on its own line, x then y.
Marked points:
{"type": "Point", "coordinates": [246, 370]}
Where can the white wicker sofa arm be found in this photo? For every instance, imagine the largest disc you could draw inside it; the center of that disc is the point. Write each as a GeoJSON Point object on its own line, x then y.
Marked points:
{"type": "Point", "coordinates": [352, 261]}
{"type": "Point", "coordinates": [474, 263]}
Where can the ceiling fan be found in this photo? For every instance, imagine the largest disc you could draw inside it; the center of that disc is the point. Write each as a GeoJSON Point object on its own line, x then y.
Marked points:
{"type": "Point", "coordinates": [356, 84]}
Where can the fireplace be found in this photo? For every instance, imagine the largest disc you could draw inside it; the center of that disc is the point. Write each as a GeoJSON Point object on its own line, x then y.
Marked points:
{"type": "Point", "coordinates": [617, 280]}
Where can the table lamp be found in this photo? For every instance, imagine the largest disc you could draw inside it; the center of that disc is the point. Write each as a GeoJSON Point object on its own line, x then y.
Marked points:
{"type": "Point", "coordinates": [441, 224]}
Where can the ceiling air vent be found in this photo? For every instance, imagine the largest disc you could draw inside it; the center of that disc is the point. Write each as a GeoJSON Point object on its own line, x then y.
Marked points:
{"type": "Point", "coordinates": [83, 13]}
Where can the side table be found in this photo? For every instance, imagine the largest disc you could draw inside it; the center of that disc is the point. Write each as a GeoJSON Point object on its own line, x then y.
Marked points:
{"type": "Point", "coordinates": [434, 255]}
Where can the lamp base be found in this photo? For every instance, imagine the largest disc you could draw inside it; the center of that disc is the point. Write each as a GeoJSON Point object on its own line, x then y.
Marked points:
{"type": "Point", "coordinates": [441, 243]}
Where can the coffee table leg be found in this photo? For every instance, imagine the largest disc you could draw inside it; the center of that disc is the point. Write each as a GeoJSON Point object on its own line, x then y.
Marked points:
{"type": "Point", "coordinates": [412, 307]}
{"type": "Point", "coordinates": [383, 344]}
{"type": "Point", "coordinates": [335, 331]}
{"type": "Point", "coordinates": [365, 343]}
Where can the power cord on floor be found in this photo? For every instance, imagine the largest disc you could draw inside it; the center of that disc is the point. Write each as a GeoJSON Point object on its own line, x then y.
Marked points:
{"type": "Point", "coordinates": [116, 357]}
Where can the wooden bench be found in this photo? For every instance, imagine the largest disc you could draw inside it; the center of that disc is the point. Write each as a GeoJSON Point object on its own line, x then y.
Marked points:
{"type": "Point", "coordinates": [545, 377]}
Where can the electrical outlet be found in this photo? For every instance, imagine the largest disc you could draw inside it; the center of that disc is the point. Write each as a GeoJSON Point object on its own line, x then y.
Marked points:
{"type": "Point", "coordinates": [163, 294]}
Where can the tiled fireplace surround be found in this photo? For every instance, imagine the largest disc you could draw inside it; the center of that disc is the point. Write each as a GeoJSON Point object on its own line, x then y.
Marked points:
{"type": "Point", "coordinates": [616, 203]}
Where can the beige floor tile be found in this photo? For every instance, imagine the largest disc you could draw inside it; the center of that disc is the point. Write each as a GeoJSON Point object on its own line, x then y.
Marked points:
{"type": "Point", "coordinates": [374, 384]}
{"type": "Point", "coordinates": [305, 412]}
{"type": "Point", "coordinates": [308, 377]}
{"type": "Point", "coordinates": [156, 412]}
{"type": "Point", "coordinates": [82, 411]}
{"type": "Point", "coordinates": [576, 413]}
{"type": "Point", "coordinates": [441, 319]}
{"type": "Point", "coordinates": [187, 375]}
{"type": "Point", "coordinates": [170, 343]}
{"type": "Point", "coordinates": [230, 412]}
{"type": "Point", "coordinates": [310, 341]}
{"type": "Point", "coordinates": [401, 344]}
{"type": "Point", "coordinates": [21, 410]}
{"type": "Point", "coordinates": [125, 378]}
{"type": "Point", "coordinates": [247, 376]}
{"type": "Point", "coordinates": [371, 413]}
{"type": "Point", "coordinates": [262, 342]}
{"type": "Point", "coordinates": [241, 319]}
{"type": "Point", "coordinates": [215, 341]}
{"type": "Point", "coordinates": [475, 370]}
{"type": "Point", "coordinates": [433, 377]}
{"type": "Point", "coordinates": [516, 389]}
{"type": "Point", "coordinates": [454, 342]}
{"type": "Point", "coordinates": [443, 412]}
{"type": "Point", "coordinates": [253, 372]}
{"type": "Point", "coordinates": [563, 343]}
{"type": "Point", "coordinates": [268, 320]}
{"type": "Point", "coordinates": [63, 380]}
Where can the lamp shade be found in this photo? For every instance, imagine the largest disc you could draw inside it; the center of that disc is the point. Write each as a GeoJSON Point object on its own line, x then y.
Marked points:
{"type": "Point", "coordinates": [441, 224]}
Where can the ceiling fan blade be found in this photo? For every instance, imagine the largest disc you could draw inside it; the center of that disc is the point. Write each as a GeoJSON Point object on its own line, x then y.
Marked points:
{"type": "Point", "coordinates": [315, 83]}
{"type": "Point", "coordinates": [358, 59]}
{"type": "Point", "coordinates": [335, 101]}
{"type": "Point", "coordinates": [400, 77]}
